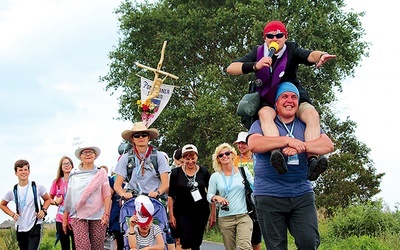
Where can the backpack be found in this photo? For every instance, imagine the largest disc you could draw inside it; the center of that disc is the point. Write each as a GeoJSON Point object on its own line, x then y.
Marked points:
{"type": "Point", "coordinates": [34, 189]}
{"type": "Point", "coordinates": [131, 163]}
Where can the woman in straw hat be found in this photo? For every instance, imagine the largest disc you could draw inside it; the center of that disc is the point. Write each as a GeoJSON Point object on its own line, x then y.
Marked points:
{"type": "Point", "coordinates": [145, 178]}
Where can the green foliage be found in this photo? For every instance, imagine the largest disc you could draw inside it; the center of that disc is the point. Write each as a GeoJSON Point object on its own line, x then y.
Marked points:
{"type": "Point", "coordinates": [354, 242]}
{"type": "Point", "coordinates": [8, 239]}
{"type": "Point", "coordinates": [367, 219]}
{"type": "Point", "coordinates": [203, 38]}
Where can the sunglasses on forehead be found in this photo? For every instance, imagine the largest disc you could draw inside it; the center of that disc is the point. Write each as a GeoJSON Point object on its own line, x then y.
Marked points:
{"type": "Point", "coordinates": [271, 36]}
{"type": "Point", "coordinates": [140, 134]}
{"type": "Point", "coordinates": [227, 153]}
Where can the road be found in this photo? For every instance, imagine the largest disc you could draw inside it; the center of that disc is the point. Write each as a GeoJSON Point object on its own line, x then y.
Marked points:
{"type": "Point", "coordinates": [212, 246]}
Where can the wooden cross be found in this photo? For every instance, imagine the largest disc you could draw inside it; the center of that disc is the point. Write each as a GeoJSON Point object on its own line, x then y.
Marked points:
{"type": "Point", "coordinates": [156, 86]}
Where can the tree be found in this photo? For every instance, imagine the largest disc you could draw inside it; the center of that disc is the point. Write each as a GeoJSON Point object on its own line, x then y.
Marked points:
{"type": "Point", "coordinates": [203, 38]}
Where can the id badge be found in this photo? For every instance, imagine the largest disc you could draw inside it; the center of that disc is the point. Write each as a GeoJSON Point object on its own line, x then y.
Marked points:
{"type": "Point", "coordinates": [293, 160]}
{"type": "Point", "coordinates": [196, 194]}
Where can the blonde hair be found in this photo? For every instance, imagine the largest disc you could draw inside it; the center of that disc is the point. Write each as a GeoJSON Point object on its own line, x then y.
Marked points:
{"type": "Point", "coordinates": [216, 164]}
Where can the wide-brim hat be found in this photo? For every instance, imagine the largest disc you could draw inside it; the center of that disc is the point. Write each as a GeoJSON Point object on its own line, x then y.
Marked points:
{"type": "Point", "coordinates": [139, 127]}
{"type": "Point", "coordinates": [79, 150]}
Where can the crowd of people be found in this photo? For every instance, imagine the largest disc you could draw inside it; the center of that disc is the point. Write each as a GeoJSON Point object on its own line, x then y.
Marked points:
{"type": "Point", "coordinates": [281, 153]}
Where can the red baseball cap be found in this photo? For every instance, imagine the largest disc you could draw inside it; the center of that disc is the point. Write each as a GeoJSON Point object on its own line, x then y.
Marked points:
{"type": "Point", "coordinates": [144, 210]}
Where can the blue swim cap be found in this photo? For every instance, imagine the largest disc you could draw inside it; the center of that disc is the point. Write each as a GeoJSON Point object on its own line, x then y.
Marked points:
{"type": "Point", "coordinates": [286, 87]}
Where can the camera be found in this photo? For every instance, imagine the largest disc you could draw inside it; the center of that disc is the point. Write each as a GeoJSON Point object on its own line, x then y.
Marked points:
{"type": "Point", "coordinates": [225, 207]}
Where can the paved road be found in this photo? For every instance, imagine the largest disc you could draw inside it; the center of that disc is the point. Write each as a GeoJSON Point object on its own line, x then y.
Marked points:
{"type": "Point", "coordinates": [212, 246]}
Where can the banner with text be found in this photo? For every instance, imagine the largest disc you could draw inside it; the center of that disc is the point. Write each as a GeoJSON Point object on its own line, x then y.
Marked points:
{"type": "Point", "coordinates": [158, 103]}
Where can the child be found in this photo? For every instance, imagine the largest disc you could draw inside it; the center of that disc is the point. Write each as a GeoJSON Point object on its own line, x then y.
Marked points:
{"type": "Point", "coordinates": [28, 216]}
{"type": "Point", "coordinates": [143, 234]}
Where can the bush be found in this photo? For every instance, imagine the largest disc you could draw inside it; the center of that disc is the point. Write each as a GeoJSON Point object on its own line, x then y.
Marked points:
{"type": "Point", "coordinates": [8, 240]}
{"type": "Point", "coordinates": [355, 242]}
{"type": "Point", "coordinates": [368, 219]}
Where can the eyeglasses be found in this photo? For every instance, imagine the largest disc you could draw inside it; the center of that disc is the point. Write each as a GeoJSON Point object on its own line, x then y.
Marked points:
{"type": "Point", "coordinates": [271, 36]}
{"type": "Point", "coordinates": [66, 164]}
{"type": "Point", "coordinates": [140, 134]}
{"type": "Point", "coordinates": [227, 153]}
{"type": "Point", "coordinates": [87, 152]}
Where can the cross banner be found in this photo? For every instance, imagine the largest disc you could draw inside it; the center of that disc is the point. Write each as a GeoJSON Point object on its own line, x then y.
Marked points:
{"type": "Point", "coordinates": [154, 94]}
{"type": "Point", "coordinates": [157, 104]}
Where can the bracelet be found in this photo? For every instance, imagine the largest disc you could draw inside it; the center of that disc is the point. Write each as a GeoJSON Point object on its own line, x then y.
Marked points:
{"type": "Point", "coordinates": [129, 233]}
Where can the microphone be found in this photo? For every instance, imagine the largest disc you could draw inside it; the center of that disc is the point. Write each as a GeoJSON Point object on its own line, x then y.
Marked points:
{"type": "Point", "coordinates": [273, 47]}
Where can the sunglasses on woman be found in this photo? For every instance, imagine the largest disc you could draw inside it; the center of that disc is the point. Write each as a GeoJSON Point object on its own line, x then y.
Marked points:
{"type": "Point", "coordinates": [227, 153]}
{"type": "Point", "coordinates": [140, 134]}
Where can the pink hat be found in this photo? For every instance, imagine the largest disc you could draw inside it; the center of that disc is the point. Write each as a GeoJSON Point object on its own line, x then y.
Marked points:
{"type": "Point", "coordinates": [144, 210]}
{"type": "Point", "coordinates": [277, 26]}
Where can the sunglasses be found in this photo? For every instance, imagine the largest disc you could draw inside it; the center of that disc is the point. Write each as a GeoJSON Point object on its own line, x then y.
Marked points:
{"type": "Point", "coordinates": [227, 153]}
{"type": "Point", "coordinates": [141, 134]}
{"type": "Point", "coordinates": [271, 36]}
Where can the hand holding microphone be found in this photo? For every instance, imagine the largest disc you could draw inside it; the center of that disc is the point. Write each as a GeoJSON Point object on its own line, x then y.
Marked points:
{"type": "Point", "coordinates": [267, 60]}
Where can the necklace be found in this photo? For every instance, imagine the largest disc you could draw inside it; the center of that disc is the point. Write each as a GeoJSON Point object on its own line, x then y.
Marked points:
{"type": "Point", "coordinates": [191, 180]}
{"type": "Point", "coordinates": [247, 163]}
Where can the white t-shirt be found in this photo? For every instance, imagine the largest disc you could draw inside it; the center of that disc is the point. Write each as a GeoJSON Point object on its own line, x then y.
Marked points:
{"type": "Point", "coordinates": [27, 212]}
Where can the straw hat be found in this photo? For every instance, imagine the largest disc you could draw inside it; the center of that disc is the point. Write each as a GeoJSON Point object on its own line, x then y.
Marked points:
{"type": "Point", "coordinates": [78, 151]}
{"type": "Point", "coordinates": [139, 127]}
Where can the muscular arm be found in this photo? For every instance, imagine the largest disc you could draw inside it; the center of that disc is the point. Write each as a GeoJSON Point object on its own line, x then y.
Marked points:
{"type": "Point", "coordinates": [320, 146]}
{"type": "Point", "coordinates": [261, 144]}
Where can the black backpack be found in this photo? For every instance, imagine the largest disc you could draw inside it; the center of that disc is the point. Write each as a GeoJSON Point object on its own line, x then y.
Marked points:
{"type": "Point", "coordinates": [34, 189]}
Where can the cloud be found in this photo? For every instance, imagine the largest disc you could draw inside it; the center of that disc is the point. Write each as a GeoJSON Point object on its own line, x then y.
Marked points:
{"type": "Point", "coordinates": [51, 56]}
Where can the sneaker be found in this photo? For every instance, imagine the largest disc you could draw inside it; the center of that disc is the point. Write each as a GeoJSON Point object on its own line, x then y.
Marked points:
{"type": "Point", "coordinates": [278, 162]}
{"type": "Point", "coordinates": [316, 166]}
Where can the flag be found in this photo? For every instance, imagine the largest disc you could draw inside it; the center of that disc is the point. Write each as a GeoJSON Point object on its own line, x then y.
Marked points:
{"type": "Point", "coordinates": [157, 104]}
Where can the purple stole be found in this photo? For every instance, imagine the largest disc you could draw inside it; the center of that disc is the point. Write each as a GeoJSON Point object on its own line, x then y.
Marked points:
{"type": "Point", "coordinates": [270, 80]}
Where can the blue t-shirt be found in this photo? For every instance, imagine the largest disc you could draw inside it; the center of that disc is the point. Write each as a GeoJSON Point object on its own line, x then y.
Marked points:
{"type": "Point", "coordinates": [143, 182]}
{"type": "Point", "coordinates": [267, 181]}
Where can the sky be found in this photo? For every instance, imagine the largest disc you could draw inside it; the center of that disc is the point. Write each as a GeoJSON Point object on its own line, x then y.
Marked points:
{"type": "Point", "coordinates": [52, 54]}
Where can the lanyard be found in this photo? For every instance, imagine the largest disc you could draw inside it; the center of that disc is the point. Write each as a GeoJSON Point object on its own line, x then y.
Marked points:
{"type": "Point", "coordinates": [23, 202]}
{"type": "Point", "coordinates": [290, 132]}
{"type": "Point", "coordinates": [227, 186]}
